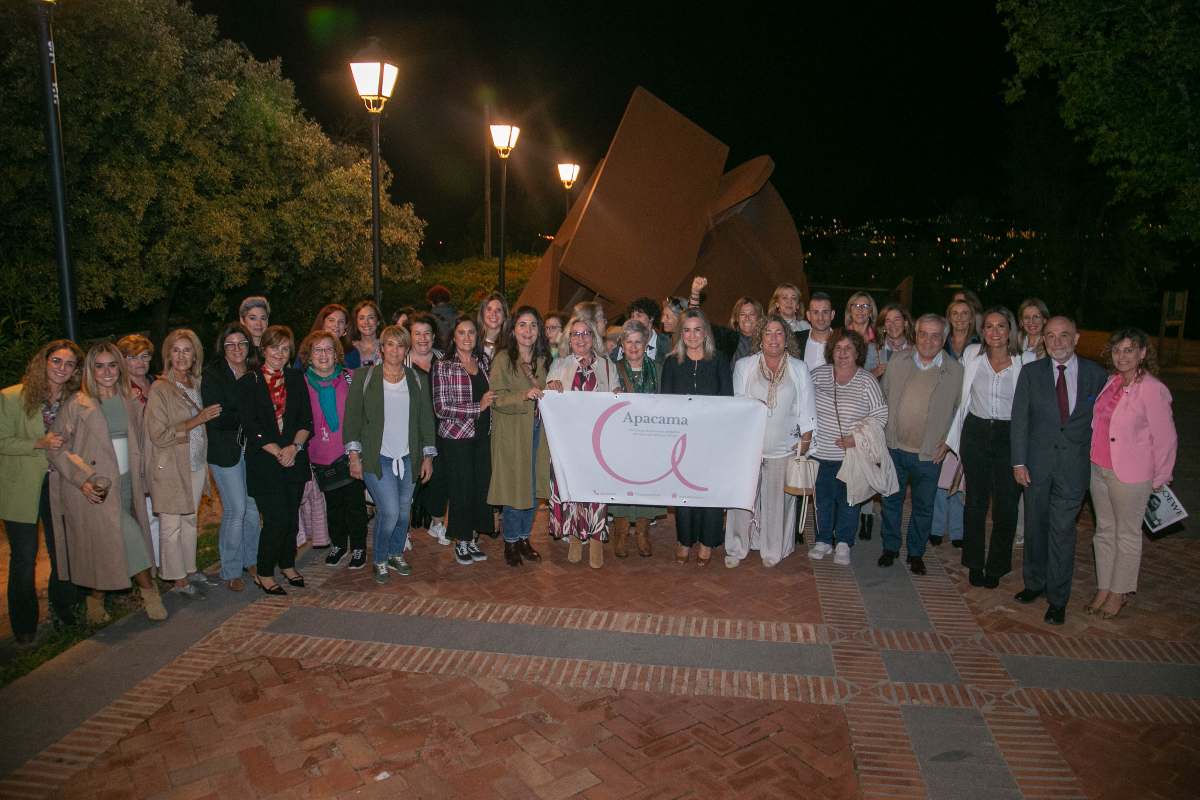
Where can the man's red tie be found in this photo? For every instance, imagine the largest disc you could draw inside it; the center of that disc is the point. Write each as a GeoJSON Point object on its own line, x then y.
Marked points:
{"type": "Point", "coordinates": [1060, 388]}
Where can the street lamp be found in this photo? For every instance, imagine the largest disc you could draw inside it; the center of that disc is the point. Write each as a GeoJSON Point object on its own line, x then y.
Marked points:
{"type": "Point", "coordinates": [504, 138]}
{"type": "Point", "coordinates": [375, 78]}
{"type": "Point", "coordinates": [54, 157]}
{"type": "Point", "coordinates": [568, 174]}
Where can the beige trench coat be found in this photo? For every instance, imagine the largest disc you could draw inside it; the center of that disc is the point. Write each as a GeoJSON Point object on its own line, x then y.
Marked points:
{"type": "Point", "coordinates": [512, 437]}
{"type": "Point", "coordinates": [168, 457]}
{"type": "Point", "coordinates": [87, 536]}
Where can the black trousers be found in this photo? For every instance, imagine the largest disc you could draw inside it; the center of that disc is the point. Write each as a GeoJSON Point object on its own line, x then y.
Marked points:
{"type": "Point", "coordinates": [430, 498]}
{"type": "Point", "coordinates": [22, 560]}
{"type": "Point", "coordinates": [703, 525]}
{"type": "Point", "coordinates": [987, 468]}
{"type": "Point", "coordinates": [346, 512]}
{"type": "Point", "coordinates": [281, 520]}
{"type": "Point", "coordinates": [467, 464]}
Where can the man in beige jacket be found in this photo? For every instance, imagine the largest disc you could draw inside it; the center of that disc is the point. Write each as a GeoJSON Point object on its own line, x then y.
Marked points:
{"type": "Point", "coordinates": [922, 388]}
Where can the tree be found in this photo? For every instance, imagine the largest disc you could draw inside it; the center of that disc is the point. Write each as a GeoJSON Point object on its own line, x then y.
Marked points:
{"type": "Point", "coordinates": [1128, 75]}
{"type": "Point", "coordinates": [192, 171]}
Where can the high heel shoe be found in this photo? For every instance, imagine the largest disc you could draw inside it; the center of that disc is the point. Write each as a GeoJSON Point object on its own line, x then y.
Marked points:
{"type": "Point", "coordinates": [1105, 613]}
{"type": "Point", "coordinates": [1097, 603]}
{"type": "Point", "coordinates": [275, 590]}
{"type": "Point", "coordinates": [297, 581]}
{"type": "Point", "coordinates": [702, 560]}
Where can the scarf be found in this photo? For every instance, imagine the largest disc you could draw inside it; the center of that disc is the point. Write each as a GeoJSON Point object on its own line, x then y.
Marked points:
{"type": "Point", "coordinates": [643, 382]}
{"type": "Point", "coordinates": [277, 389]}
{"type": "Point", "coordinates": [773, 379]}
{"type": "Point", "coordinates": [326, 395]}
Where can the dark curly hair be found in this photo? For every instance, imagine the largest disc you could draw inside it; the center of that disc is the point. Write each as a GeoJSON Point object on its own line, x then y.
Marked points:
{"type": "Point", "coordinates": [855, 338]}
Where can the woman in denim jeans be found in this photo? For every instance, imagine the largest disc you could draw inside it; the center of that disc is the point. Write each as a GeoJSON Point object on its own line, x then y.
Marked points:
{"type": "Point", "coordinates": [227, 456]}
{"type": "Point", "coordinates": [389, 424]}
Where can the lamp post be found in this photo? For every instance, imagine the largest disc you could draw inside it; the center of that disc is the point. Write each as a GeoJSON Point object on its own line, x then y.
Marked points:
{"type": "Point", "coordinates": [54, 157]}
{"type": "Point", "coordinates": [568, 174]}
{"type": "Point", "coordinates": [375, 78]}
{"type": "Point", "coordinates": [504, 138]}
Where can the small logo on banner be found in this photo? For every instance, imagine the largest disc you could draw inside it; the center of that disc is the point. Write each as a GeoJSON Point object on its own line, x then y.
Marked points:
{"type": "Point", "coordinates": [678, 450]}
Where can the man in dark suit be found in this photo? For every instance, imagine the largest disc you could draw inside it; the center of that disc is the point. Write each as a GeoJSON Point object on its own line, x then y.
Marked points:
{"type": "Point", "coordinates": [1051, 444]}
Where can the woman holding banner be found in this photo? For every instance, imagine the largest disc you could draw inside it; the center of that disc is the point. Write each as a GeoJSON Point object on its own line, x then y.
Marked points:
{"type": "Point", "coordinates": [636, 374]}
{"type": "Point", "coordinates": [585, 369]}
{"type": "Point", "coordinates": [520, 455]}
{"type": "Point", "coordinates": [693, 368]}
{"type": "Point", "coordinates": [777, 377]}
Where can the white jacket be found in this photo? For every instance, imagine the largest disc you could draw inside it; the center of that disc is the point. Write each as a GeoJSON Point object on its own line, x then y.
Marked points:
{"type": "Point", "coordinates": [804, 403]}
{"type": "Point", "coordinates": [867, 469]}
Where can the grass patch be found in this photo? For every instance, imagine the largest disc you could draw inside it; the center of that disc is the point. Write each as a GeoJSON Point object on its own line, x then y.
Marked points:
{"type": "Point", "coordinates": [18, 662]}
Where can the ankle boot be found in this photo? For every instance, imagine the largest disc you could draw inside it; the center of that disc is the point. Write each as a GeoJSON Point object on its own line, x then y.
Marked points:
{"type": "Point", "coordinates": [620, 534]}
{"type": "Point", "coordinates": [512, 554]}
{"type": "Point", "coordinates": [574, 550]}
{"type": "Point", "coordinates": [595, 552]}
{"type": "Point", "coordinates": [96, 613]}
{"type": "Point", "coordinates": [153, 602]}
{"type": "Point", "coordinates": [641, 530]}
{"type": "Point", "coordinates": [527, 552]}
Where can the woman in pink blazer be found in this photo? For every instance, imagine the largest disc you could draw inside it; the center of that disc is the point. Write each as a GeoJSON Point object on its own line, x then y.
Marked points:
{"type": "Point", "coordinates": [1133, 454]}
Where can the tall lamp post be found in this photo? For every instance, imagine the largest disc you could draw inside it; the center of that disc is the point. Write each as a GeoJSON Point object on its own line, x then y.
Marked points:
{"type": "Point", "coordinates": [54, 156]}
{"type": "Point", "coordinates": [375, 78]}
{"type": "Point", "coordinates": [504, 138]}
{"type": "Point", "coordinates": [568, 174]}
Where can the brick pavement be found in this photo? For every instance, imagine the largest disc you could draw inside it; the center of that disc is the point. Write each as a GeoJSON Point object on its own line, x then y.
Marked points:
{"type": "Point", "coordinates": [257, 709]}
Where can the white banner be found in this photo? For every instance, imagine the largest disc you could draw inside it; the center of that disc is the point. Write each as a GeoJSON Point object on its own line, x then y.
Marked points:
{"type": "Point", "coordinates": [655, 449]}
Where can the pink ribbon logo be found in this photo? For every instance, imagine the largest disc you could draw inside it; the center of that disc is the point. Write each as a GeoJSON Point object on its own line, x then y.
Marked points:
{"type": "Point", "coordinates": [678, 450]}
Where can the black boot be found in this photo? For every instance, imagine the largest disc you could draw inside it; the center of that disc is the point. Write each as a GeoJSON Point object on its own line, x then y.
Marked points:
{"type": "Point", "coordinates": [525, 550]}
{"type": "Point", "coordinates": [512, 554]}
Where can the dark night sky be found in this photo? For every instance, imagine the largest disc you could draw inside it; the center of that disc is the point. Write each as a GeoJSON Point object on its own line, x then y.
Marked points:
{"type": "Point", "coordinates": [870, 109]}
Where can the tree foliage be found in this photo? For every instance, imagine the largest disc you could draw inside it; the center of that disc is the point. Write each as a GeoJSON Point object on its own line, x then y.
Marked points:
{"type": "Point", "coordinates": [1128, 74]}
{"type": "Point", "coordinates": [192, 171]}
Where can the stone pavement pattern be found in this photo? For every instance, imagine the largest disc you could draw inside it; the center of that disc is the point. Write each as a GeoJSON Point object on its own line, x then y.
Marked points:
{"type": "Point", "coordinates": [650, 680]}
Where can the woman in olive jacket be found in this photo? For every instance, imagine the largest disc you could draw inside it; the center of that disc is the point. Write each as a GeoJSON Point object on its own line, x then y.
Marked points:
{"type": "Point", "coordinates": [277, 421]}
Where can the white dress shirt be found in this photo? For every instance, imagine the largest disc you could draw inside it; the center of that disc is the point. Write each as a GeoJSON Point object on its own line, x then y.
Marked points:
{"type": "Point", "coordinates": [992, 392]}
{"type": "Point", "coordinates": [814, 353]}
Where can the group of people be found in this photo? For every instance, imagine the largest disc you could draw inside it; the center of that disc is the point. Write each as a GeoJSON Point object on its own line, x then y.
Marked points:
{"type": "Point", "coordinates": [434, 418]}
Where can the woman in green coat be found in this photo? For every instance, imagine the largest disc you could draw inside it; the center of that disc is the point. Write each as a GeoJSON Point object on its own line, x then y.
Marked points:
{"type": "Point", "coordinates": [520, 456]}
{"type": "Point", "coordinates": [27, 410]}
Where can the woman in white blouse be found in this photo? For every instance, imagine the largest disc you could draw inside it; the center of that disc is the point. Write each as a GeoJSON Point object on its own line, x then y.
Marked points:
{"type": "Point", "coordinates": [776, 376]}
{"type": "Point", "coordinates": [980, 436]}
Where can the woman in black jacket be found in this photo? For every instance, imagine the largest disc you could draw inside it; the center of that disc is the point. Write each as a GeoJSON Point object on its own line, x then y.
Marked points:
{"type": "Point", "coordinates": [277, 421]}
{"type": "Point", "coordinates": [227, 455]}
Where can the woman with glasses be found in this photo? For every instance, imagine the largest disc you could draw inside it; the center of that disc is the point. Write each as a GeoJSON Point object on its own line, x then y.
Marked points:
{"type": "Point", "coordinates": [1031, 316]}
{"type": "Point", "coordinates": [238, 540]}
{"type": "Point", "coordinates": [27, 414]}
{"type": "Point", "coordinates": [860, 318]}
{"type": "Point", "coordinates": [585, 369]}
{"type": "Point", "coordinates": [99, 476]}
{"type": "Point", "coordinates": [177, 457]}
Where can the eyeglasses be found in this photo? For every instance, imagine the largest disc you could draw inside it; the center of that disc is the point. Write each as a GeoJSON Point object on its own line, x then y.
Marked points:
{"type": "Point", "coordinates": [581, 334]}
{"type": "Point", "coordinates": [59, 362]}
{"type": "Point", "coordinates": [139, 357]}
{"type": "Point", "coordinates": [861, 306]}
{"type": "Point", "coordinates": [323, 351]}
{"type": "Point", "coordinates": [237, 345]}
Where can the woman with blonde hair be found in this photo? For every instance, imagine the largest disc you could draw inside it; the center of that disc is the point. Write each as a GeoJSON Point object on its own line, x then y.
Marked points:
{"type": "Point", "coordinates": [585, 368]}
{"type": "Point", "coordinates": [27, 414]}
{"type": "Point", "coordinates": [492, 315]}
{"type": "Point", "coordinates": [786, 303]}
{"type": "Point", "coordinates": [177, 457]}
{"type": "Point", "coordinates": [97, 493]}
{"type": "Point", "coordinates": [1032, 316]}
{"type": "Point", "coordinates": [860, 318]}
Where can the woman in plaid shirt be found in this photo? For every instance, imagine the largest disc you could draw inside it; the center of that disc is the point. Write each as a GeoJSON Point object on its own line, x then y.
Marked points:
{"type": "Point", "coordinates": [462, 399]}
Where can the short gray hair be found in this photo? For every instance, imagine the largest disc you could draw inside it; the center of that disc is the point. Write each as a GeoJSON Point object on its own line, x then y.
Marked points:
{"type": "Point", "coordinates": [939, 319]}
{"type": "Point", "coordinates": [252, 302]}
{"type": "Point", "coordinates": [635, 326]}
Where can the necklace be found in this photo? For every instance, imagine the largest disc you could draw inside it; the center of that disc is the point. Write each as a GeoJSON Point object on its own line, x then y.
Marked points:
{"type": "Point", "coordinates": [773, 379]}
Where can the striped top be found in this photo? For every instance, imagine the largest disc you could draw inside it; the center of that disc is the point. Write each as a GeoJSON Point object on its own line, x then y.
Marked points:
{"type": "Point", "coordinates": [857, 399]}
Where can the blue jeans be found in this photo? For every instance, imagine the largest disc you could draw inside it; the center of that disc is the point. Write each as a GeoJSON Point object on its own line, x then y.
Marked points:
{"type": "Point", "coordinates": [948, 514]}
{"type": "Point", "coordinates": [924, 476]}
{"type": "Point", "coordinates": [836, 519]}
{"type": "Point", "coordinates": [238, 541]}
{"type": "Point", "coordinates": [518, 522]}
{"type": "Point", "coordinates": [393, 506]}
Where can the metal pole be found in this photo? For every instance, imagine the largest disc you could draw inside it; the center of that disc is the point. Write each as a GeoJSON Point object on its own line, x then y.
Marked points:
{"type": "Point", "coordinates": [567, 196]}
{"type": "Point", "coordinates": [376, 267]}
{"type": "Point", "coordinates": [54, 156]}
{"type": "Point", "coordinates": [487, 182]}
{"type": "Point", "coordinates": [503, 204]}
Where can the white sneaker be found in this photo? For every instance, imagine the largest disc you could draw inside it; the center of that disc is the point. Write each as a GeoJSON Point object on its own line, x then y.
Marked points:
{"type": "Point", "coordinates": [438, 531]}
{"type": "Point", "coordinates": [1019, 540]}
{"type": "Point", "coordinates": [841, 555]}
{"type": "Point", "coordinates": [732, 562]}
{"type": "Point", "coordinates": [819, 551]}
{"type": "Point", "coordinates": [408, 544]}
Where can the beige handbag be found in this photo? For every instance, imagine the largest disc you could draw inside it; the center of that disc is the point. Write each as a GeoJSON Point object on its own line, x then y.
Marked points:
{"type": "Point", "coordinates": [801, 476]}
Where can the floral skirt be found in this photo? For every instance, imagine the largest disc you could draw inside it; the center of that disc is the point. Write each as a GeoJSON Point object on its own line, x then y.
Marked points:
{"type": "Point", "coordinates": [581, 520]}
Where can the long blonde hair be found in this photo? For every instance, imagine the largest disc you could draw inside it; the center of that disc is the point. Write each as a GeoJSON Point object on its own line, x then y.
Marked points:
{"type": "Point", "coordinates": [680, 349]}
{"type": "Point", "coordinates": [89, 386]}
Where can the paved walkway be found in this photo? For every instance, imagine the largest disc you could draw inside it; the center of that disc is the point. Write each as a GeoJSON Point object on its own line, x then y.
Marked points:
{"type": "Point", "coordinates": [643, 680]}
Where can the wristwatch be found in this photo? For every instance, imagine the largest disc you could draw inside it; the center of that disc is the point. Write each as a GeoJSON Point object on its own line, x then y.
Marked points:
{"type": "Point", "coordinates": [299, 446]}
